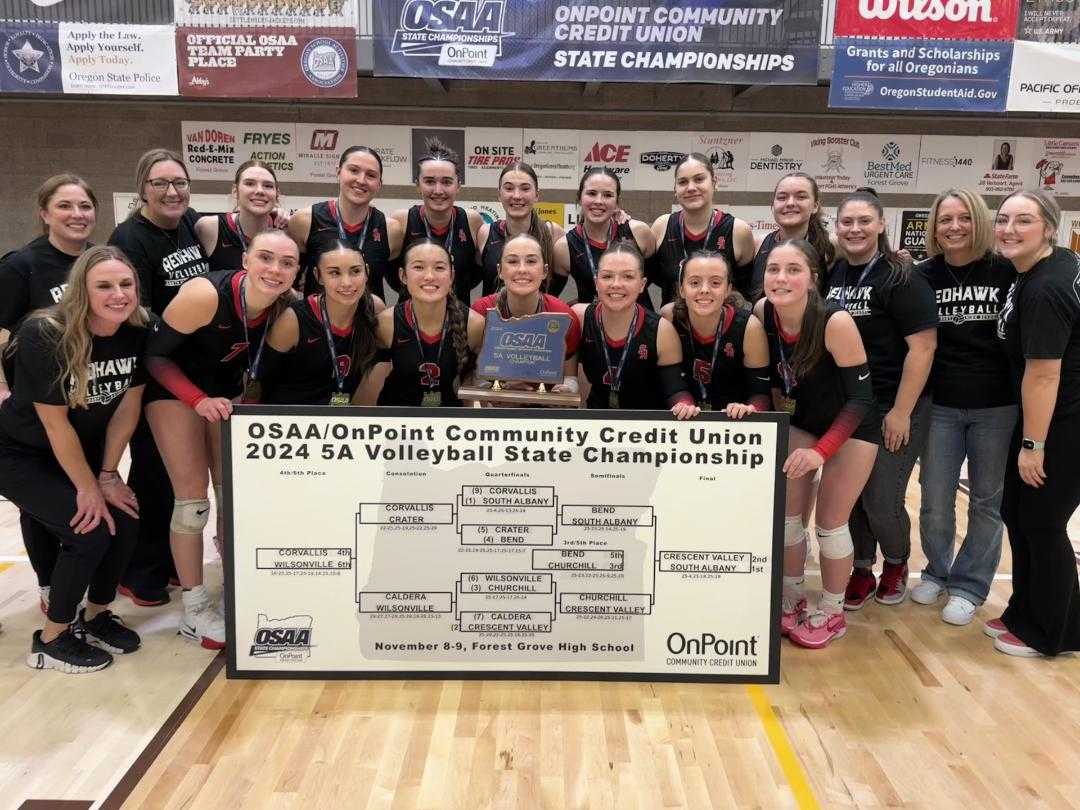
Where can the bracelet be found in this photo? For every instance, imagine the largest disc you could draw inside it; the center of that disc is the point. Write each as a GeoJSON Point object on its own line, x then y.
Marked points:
{"type": "Point", "coordinates": [103, 471]}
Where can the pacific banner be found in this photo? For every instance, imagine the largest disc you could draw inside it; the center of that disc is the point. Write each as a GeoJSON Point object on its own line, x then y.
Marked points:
{"type": "Point", "coordinates": [923, 54]}
{"type": "Point", "coordinates": [715, 41]}
{"type": "Point", "coordinates": [1046, 59]}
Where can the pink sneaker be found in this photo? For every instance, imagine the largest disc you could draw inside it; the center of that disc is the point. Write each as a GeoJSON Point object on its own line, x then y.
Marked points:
{"type": "Point", "coordinates": [995, 628]}
{"type": "Point", "coordinates": [790, 618]}
{"type": "Point", "coordinates": [818, 629]}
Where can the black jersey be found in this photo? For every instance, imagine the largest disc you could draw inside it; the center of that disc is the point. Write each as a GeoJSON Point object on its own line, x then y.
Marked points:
{"type": "Point", "coordinates": [492, 255]}
{"type": "Point", "coordinates": [819, 395]}
{"type": "Point", "coordinates": [304, 375]}
{"type": "Point", "coordinates": [715, 373]}
{"type": "Point", "coordinates": [117, 363]}
{"type": "Point", "coordinates": [216, 356]}
{"type": "Point", "coordinates": [421, 365]}
{"type": "Point", "coordinates": [678, 243]}
{"type": "Point", "coordinates": [32, 278]}
{"type": "Point", "coordinates": [456, 237]}
{"type": "Point", "coordinates": [585, 259]}
{"type": "Point", "coordinates": [370, 237]}
{"type": "Point", "coordinates": [228, 252]}
{"type": "Point", "coordinates": [761, 258]}
{"type": "Point", "coordinates": [639, 381]}
{"type": "Point", "coordinates": [164, 259]}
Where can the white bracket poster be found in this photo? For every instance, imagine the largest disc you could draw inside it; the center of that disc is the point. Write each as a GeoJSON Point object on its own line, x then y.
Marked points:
{"type": "Point", "coordinates": [513, 543]}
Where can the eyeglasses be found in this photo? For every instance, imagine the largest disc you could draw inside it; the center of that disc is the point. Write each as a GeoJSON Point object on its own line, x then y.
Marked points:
{"type": "Point", "coordinates": [163, 185]}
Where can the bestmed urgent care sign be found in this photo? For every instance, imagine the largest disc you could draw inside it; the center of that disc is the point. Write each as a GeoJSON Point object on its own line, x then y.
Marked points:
{"type": "Point", "coordinates": [731, 41]}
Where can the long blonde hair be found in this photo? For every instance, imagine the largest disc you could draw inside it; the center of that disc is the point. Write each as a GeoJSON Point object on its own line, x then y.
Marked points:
{"type": "Point", "coordinates": [68, 323]}
{"type": "Point", "coordinates": [982, 224]}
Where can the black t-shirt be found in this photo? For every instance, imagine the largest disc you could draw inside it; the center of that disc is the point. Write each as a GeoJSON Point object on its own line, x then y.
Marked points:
{"type": "Point", "coordinates": [970, 367]}
{"type": "Point", "coordinates": [639, 381]}
{"type": "Point", "coordinates": [165, 259]}
{"type": "Point", "coordinates": [886, 312]}
{"type": "Point", "coordinates": [1041, 321]}
{"type": "Point", "coordinates": [228, 252]}
{"type": "Point", "coordinates": [117, 364]}
{"type": "Point", "coordinates": [715, 372]}
{"type": "Point", "coordinates": [32, 278]}
{"type": "Point", "coordinates": [678, 243]}
{"type": "Point", "coordinates": [370, 237]}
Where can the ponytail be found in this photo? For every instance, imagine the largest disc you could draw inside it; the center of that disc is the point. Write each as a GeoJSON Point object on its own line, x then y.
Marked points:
{"type": "Point", "coordinates": [458, 324]}
{"type": "Point", "coordinates": [899, 270]}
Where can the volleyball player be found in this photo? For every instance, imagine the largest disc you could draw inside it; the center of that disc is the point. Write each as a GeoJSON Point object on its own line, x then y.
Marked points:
{"type": "Point", "coordinates": [225, 237]}
{"type": "Point", "coordinates": [202, 352]}
{"type": "Point", "coordinates": [351, 218]}
{"type": "Point", "coordinates": [440, 218]}
{"type": "Point", "coordinates": [32, 278]}
{"type": "Point", "coordinates": [602, 223]}
{"type": "Point", "coordinates": [77, 387]}
{"type": "Point", "coordinates": [319, 349]}
{"type": "Point", "coordinates": [796, 208]}
{"type": "Point", "coordinates": [159, 238]}
{"type": "Point", "coordinates": [518, 193]}
{"type": "Point", "coordinates": [699, 226]}
{"type": "Point", "coordinates": [523, 274]}
{"type": "Point", "coordinates": [896, 314]}
{"type": "Point", "coordinates": [725, 356]}
{"type": "Point", "coordinates": [974, 407]}
{"type": "Point", "coordinates": [631, 356]}
{"type": "Point", "coordinates": [427, 343]}
{"type": "Point", "coordinates": [822, 378]}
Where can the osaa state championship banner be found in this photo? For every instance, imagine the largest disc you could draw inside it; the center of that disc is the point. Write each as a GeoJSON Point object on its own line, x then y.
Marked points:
{"type": "Point", "coordinates": [409, 542]}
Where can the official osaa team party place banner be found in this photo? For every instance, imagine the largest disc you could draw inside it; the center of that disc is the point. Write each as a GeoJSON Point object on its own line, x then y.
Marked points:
{"type": "Point", "coordinates": [730, 41]}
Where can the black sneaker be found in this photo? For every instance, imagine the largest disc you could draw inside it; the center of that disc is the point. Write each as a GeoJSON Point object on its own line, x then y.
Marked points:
{"type": "Point", "coordinates": [107, 631]}
{"type": "Point", "coordinates": [66, 653]}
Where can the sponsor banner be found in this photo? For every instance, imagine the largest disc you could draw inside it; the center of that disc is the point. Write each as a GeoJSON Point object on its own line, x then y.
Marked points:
{"type": "Point", "coordinates": [514, 558]}
{"type": "Point", "coordinates": [31, 58]}
{"type": "Point", "coordinates": [266, 62]}
{"type": "Point", "coordinates": [96, 11]}
{"type": "Point", "coordinates": [728, 153]}
{"type": "Point", "coordinates": [616, 150]}
{"type": "Point", "coordinates": [214, 150]}
{"type": "Point", "coordinates": [890, 163]}
{"type": "Point", "coordinates": [1053, 21]}
{"type": "Point", "coordinates": [260, 13]}
{"type": "Point", "coordinates": [319, 147]}
{"type": "Point", "coordinates": [118, 59]}
{"type": "Point", "coordinates": [560, 214]}
{"type": "Point", "coordinates": [774, 154]}
{"type": "Point", "coordinates": [1069, 235]}
{"type": "Point", "coordinates": [729, 41]}
{"type": "Point", "coordinates": [427, 139]}
{"type": "Point", "coordinates": [927, 19]}
{"type": "Point", "coordinates": [656, 158]}
{"type": "Point", "coordinates": [835, 161]}
{"type": "Point", "coordinates": [911, 232]}
{"type": "Point", "coordinates": [487, 152]}
{"type": "Point", "coordinates": [977, 163]}
{"type": "Point", "coordinates": [1055, 162]}
{"type": "Point", "coordinates": [915, 74]}
{"type": "Point", "coordinates": [488, 210]}
{"type": "Point", "coordinates": [553, 153]}
{"type": "Point", "coordinates": [1045, 78]}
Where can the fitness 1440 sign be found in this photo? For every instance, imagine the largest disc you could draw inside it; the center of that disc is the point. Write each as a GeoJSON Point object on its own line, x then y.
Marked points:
{"type": "Point", "coordinates": [400, 543]}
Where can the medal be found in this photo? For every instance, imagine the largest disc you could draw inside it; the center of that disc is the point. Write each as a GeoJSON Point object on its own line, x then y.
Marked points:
{"type": "Point", "coordinates": [339, 396]}
{"type": "Point", "coordinates": [339, 400]}
{"type": "Point", "coordinates": [613, 399]}
{"type": "Point", "coordinates": [432, 398]}
{"type": "Point", "coordinates": [705, 406]}
{"type": "Point", "coordinates": [432, 395]}
{"type": "Point", "coordinates": [252, 390]}
{"type": "Point", "coordinates": [615, 373]}
{"type": "Point", "coordinates": [787, 405]}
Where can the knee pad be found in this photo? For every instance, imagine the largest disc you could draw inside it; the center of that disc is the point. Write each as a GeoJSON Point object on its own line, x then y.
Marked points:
{"type": "Point", "coordinates": [190, 516]}
{"type": "Point", "coordinates": [835, 544]}
{"type": "Point", "coordinates": [794, 531]}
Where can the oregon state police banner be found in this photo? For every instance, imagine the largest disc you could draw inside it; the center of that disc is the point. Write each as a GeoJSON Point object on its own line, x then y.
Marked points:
{"type": "Point", "coordinates": [719, 41]}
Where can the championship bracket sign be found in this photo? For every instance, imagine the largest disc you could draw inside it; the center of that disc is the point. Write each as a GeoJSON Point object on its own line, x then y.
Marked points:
{"type": "Point", "coordinates": [419, 542]}
{"type": "Point", "coordinates": [721, 41]}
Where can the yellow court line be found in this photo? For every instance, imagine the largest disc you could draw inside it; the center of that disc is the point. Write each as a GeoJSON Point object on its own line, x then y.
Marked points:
{"type": "Point", "coordinates": [785, 754]}
{"type": "Point", "coordinates": [5, 566]}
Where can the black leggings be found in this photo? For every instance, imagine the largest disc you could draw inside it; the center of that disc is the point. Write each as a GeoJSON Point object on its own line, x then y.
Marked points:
{"type": "Point", "coordinates": [151, 565]}
{"type": "Point", "coordinates": [34, 482]}
{"type": "Point", "coordinates": [41, 548]}
{"type": "Point", "coordinates": [1044, 610]}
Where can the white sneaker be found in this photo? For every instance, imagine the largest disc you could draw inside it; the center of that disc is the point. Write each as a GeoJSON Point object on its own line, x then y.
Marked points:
{"type": "Point", "coordinates": [202, 621]}
{"type": "Point", "coordinates": [958, 611]}
{"type": "Point", "coordinates": [927, 592]}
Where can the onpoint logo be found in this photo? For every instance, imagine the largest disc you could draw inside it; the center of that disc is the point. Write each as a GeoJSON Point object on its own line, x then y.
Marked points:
{"type": "Point", "coordinates": [460, 32]}
{"type": "Point", "coordinates": [708, 644]}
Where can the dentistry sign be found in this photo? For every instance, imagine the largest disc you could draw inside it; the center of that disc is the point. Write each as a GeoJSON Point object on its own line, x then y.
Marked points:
{"type": "Point", "coordinates": [724, 41]}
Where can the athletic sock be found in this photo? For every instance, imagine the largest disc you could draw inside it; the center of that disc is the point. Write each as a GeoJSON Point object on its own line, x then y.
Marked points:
{"type": "Point", "coordinates": [793, 589]}
{"type": "Point", "coordinates": [832, 602]}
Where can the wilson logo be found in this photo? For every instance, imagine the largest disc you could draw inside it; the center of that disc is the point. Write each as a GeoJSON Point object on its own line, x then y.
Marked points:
{"type": "Point", "coordinates": [933, 10]}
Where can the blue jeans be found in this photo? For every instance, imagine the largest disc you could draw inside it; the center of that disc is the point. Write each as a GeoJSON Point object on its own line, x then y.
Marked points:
{"type": "Point", "coordinates": [982, 435]}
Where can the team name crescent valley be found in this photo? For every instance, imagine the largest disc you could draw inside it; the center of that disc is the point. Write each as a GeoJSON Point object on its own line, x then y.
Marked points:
{"type": "Point", "coordinates": [708, 444]}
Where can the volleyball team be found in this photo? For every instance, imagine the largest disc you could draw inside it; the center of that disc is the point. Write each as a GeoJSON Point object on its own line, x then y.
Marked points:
{"type": "Point", "coordinates": [147, 342]}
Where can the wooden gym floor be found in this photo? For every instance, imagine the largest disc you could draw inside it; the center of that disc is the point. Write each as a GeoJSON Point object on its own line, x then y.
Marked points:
{"type": "Point", "coordinates": [905, 711]}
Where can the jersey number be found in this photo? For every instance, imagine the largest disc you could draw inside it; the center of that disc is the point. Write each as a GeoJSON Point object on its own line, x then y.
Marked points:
{"type": "Point", "coordinates": [429, 375]}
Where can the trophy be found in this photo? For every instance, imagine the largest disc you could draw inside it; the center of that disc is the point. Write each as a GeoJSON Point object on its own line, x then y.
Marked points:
{"type": "Point", "coordinates": [521, 360]}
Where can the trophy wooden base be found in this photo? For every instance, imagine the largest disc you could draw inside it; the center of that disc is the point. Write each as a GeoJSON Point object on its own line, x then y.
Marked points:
{"type": "Point", "coordinates": [485, 396]}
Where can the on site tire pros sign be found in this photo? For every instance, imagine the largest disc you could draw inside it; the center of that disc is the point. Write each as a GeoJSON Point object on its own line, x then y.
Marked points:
{"type": "Point", "coordinates": [724, 41]}
{"type": "Point", "coordinates": [387, 542]}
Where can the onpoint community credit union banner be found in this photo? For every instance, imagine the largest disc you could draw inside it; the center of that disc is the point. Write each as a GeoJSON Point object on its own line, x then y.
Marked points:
{"type": "Point", "coordinates": [1046, 58]}
{"type": "Point", "coordinates": [923, 54]}
{"type": "Point", "coordinates": [256, 49]}
{"type": "Point", "coordinates": [725, 41]}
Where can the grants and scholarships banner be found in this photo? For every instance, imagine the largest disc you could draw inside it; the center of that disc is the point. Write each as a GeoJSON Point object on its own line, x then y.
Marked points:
{"type": "Point", "coordinates": [1046, 58]}
{"type": "Point", "coordinates": [717, 41]}
{"type": "Point", "coordinates": [518, 544]}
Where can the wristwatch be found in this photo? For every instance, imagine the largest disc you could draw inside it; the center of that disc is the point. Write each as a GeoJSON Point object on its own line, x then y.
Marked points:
{"type": "Point", "coordinates": [1031, 444]}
